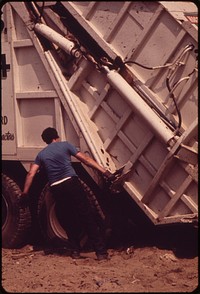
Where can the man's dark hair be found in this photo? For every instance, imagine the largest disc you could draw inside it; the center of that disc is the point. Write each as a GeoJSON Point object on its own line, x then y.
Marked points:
{"type": "Point", "coordinates": [49, 134]}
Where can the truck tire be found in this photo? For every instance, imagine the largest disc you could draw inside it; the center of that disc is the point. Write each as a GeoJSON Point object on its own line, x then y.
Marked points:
{"type": "Point", "coordinates": [51, 227]}
{"type": "Point", "coordinates": [16, 219]}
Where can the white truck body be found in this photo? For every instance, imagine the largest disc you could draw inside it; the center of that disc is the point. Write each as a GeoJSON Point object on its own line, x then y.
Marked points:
{"type": "Point", "coordinates": [107, 93]}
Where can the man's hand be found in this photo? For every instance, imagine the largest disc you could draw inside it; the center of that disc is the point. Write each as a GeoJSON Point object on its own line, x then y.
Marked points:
{"type": "Point", "coordinates": [108, 175]}
{"type": "Point", "coordinates": [111, 179]}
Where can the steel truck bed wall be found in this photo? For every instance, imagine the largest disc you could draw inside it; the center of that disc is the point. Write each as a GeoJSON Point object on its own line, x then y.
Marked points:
{"type": "Point", "coordinates": [109, 96]}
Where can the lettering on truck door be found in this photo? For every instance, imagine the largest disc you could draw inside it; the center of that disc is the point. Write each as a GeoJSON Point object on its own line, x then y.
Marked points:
{"type": "Point", "coordinates": [8, 114]}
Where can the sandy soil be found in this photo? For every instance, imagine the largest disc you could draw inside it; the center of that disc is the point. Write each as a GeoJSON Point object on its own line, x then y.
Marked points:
{"type": "Point", "coordinates": [141, 267]}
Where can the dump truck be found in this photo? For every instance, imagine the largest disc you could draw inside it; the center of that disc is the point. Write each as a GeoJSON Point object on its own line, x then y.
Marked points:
{"type": "Point", "coordinates": [119, 81]}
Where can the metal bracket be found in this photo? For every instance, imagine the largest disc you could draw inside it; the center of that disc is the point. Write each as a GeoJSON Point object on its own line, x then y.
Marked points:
{"type": "Point", "coordinates": [187, 154]}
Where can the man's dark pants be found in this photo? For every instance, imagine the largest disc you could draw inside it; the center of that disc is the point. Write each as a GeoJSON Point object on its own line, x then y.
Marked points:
{"type": "Point", "coordinates": [75, 211]}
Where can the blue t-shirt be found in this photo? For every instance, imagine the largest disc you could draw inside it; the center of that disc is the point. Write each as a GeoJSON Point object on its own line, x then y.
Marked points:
{"type": "Point", "coordinates": [56, 159]}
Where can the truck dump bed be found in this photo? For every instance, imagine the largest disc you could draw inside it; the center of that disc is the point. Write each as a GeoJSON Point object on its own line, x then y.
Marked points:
{"type": "Point", "coordinates": [125, 93]}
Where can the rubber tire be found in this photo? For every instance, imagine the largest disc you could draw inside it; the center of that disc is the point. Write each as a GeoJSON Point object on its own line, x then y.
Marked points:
{"type": "Point", "coordinates": [50, 227]}
{"type": "Point", "coordinates": [16, 220]}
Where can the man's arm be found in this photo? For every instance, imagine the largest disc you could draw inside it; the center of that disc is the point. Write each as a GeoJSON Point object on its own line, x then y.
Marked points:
{"type": "Point", "coordinates": [29, 178]}
{"type": "Point", "coordinates": [90, 162]}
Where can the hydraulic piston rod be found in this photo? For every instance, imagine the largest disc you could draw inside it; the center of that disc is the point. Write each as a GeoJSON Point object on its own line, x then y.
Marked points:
{"type": "Point", "coordinates": [57, 39]}
{"type": "Point", "coordinates": [138, 104]}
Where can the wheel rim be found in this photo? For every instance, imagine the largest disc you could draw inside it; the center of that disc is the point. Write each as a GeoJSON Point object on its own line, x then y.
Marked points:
{"type": "Point", "coordinates": [55, 225]}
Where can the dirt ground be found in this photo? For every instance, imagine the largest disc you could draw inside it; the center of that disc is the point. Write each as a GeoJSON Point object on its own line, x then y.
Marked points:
{"type": "Point", "coordinates": [150, 264]}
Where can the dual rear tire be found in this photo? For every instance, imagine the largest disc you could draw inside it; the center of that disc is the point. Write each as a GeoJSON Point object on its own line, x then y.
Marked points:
{"type": "Point", "coordinates": [16, 218]}
{"type": "Point", "coordinates": [50, 226]}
